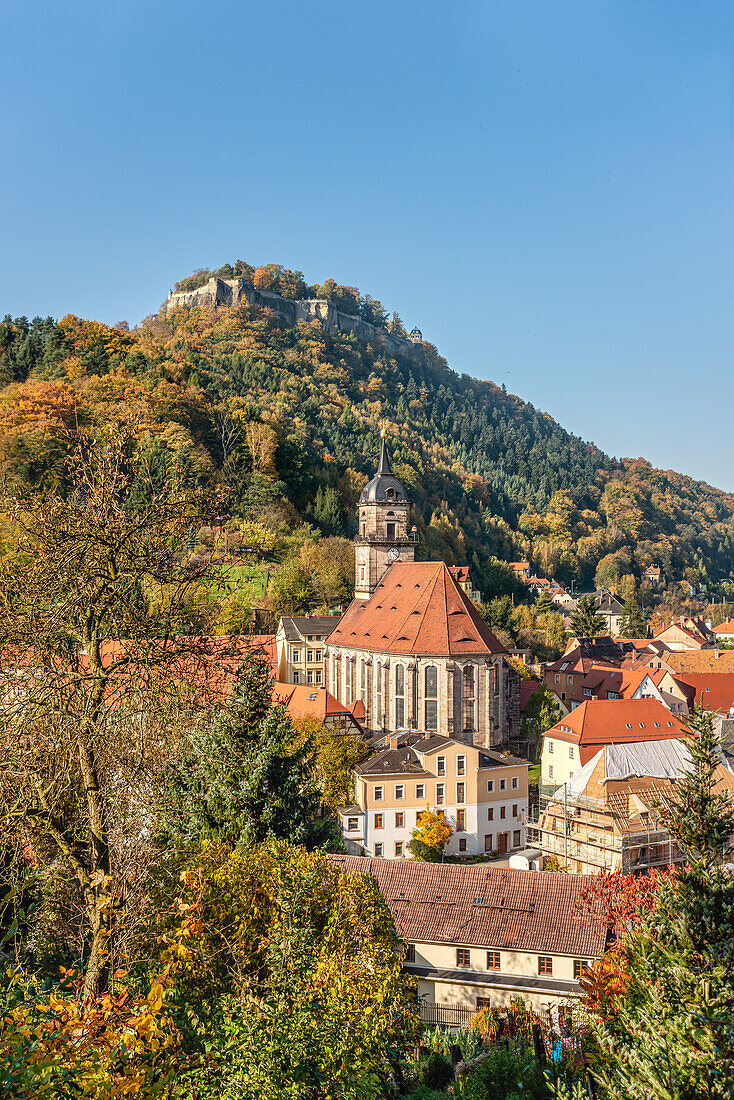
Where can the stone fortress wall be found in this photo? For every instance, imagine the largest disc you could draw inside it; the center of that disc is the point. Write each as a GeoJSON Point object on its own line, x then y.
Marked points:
{"type": "Point", "coordinates": [228, 292]}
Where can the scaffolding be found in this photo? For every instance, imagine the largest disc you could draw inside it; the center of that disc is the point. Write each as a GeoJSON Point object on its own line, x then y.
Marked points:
{"type": "Point", "coordinates": [588, 835]}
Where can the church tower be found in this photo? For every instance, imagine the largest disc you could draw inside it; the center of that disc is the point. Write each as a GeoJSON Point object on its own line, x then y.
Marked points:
{"type": "Point", "coordinates": [383, 536]}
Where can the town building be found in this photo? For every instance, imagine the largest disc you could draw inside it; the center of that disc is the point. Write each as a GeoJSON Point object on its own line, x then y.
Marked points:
{"type": "Point", "coordinates": [686, 633]}
{"type": "Point", "coordinates": [611, 609]}
{"type": "Point", "coordinates": [462, 576]}
{"type": "Point", "coordinates": [302, 701]}
{"type": "Point", "coordinates": [479, 935]}
{"type": "Point", "coordinates": [412, 646]}
{"type": "Point", "coordinates": [607, 816]}
{"type": "Point", "coordinates": [521, 569]}
{"type": "Point", "coordinates": [654, 576]}
{"type": "Point", "coordinates": [300, 641]}
{"type": "Point", "coordinates": [725, 631]}
{"type": "Point", "coordinates": [482, 794]}
{"type": "Point", "coordinates": [572, 741]}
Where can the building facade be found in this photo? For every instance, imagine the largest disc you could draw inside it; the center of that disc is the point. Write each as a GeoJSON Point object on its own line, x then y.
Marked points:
{"type": "Point", "coordinates": [482, 795]}
{"type": "Point", "coordinates": [300, 642]}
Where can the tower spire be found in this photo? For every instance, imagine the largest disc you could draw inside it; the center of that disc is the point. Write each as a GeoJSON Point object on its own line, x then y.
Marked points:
{"type": "Point", "coordinates": [384, 467]}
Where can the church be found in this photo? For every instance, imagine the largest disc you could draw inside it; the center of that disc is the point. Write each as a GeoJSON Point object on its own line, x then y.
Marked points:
{"type": "Point", "coordinates": [412, 647]}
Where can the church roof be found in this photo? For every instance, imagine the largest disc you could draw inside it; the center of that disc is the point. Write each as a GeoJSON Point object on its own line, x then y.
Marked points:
{"type": "Point", "coordinates": [384, 488]}
{"type": "Point", "coordinates": [417, 608]}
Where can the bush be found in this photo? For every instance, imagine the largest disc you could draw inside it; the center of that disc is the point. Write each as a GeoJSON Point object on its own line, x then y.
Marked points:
{"type": "Point", "coordinates": [437, 1071]}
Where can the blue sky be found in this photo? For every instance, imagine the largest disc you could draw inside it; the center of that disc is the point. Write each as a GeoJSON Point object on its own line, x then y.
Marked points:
{"type": "Point", "coordinates": [543, 187]}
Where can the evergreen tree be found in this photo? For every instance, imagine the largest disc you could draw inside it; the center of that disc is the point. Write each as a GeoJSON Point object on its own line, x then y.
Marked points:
{"type": "Point", "coordinates": [586, 622]}
{"type": "Point", "coordinates": [665, 1028]}
{"type": "Point", "coordinates": [632, 623]}
{"type": "Point", "coordinates": [247, 777]}
{"type": "Point", "coordinates": [544, 604]}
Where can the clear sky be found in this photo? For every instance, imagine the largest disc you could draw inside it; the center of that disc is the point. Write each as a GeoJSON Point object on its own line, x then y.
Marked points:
{"type": "Point", "coordinates": [543, 187]}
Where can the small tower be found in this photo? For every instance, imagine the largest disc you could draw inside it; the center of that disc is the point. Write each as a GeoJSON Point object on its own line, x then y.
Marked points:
{"type": "Point", "coordinates": [383, 536]}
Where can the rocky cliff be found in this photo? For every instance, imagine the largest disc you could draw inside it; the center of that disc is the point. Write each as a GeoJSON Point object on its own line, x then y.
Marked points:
{"type": "Point", "coordinates": [227, 292]}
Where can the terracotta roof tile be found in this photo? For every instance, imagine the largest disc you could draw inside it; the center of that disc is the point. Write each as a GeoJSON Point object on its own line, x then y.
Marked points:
{"type": "Point", "coordinates": [600, 722]}
{"type": "Point", "coordinates": [417, 608]}
{"type": "Point", "coordinates": [486, 906]}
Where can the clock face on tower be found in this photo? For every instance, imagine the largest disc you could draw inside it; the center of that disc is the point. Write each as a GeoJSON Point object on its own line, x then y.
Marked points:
{"type": "Point", "coordinates": [393, 553]}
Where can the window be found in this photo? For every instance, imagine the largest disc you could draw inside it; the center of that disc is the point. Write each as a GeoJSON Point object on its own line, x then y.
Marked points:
{"type": "Point", "coordinates": [379, 821]}
{"type": "Point", "coordinates": [461, 765]}
{"type": "Point", "coordinates": [628, 725]}
{"type": "Point", "coordinates": [569, 681]}
{"type": "Point", "coordinates": [390, 531]}
{"type": "Point", "coordinates": [502, 811]}
{"type": "Point", "coordinates": [378, 850]}
{"type": "Point", "coordinates": [441, 765]}
{"type": "Point", "coordinates": [657, 725]}
{"type": "Point", "coordinates": [515, 782]}
{"type": "Point", "coordinates": [317, 676]}
{"type": "Point", "coordinates": [550, 746]}
{"type": "Point", "coordinates": [514, 809]}
{"type": "Point", "coordinates": [503, 784]}
{"type": "Point", "coordinates": [439, 794]}
{"type": "Point", "coordinates": [545, 964]}
{"type": "Point", "coordinates": [309, 655]}
{"type": "Point", "coordinates": [296, 677]}
{"type": "Point", "coordinates": [488, 842]}
{"type": "Point", "coordinates": [399, 696]}
{"type": "Point", "coordinates": [490, 786]}
{"type": "Point", "coordinates": [309, 676]}
{"type": "Point", "coordinates": [580, 966]}
{"type": "Point", "coordinates": [468, 682]}
{"type": "Point", "coordinates": [352, 824]}
{"type": "Point", "coordinates": [570, 752]}
{"type": "Point", "coordinates": [516, 838]}
{"type": "Point", "coordinates": [410, 952]}
{"type": "Point", "coordinates": [296, 655]}
{"type": "Point", "coordinates": [463, 956]}
{"type": "Point", "coordinates": [460, 821]}
{"type": "Point", "coordinates": [398, 847]}
{"type": "Point", "coordinates": [462, 844]}
{"type": "Point", "coordinates": [399, 791]}
{"type": "Point", "coordinates": [550, 771]}
{"type": "Point", "coordinates": [587, 692]}
{"type": "Point", "coordinates": [490, 813]}
{"type": "Point", "coordinates": [431, 697]}
{"type": "Point", "coordinates": [557, 678]}
{"type": "Point", "coordinates": [317, 655]}
{"type": "Point", "coordinates": [400, 820]}
{"type": "Point", "coordinates": [493, 960]}
{"type": "Point", "coordinates": [420, 790]}
{"type": "Point", "coordinates": [460, 792]}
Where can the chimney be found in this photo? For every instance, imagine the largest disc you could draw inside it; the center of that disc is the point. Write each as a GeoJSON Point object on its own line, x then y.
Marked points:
{"type": "Point", "coordinates": [393, 741]}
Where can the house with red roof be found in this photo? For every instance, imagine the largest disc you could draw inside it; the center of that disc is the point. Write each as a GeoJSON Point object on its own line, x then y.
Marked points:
{"type": "Point", "coordinates": [725, 631]}
{"type": "Point", "coordinates": [572, 741]}
{"type": "Point", "coordinates": [304, 701]}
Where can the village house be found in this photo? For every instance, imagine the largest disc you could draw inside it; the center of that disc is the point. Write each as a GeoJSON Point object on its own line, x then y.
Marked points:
{"type": "Point", "coordinates": [479, 935]}
{"type": "Point", "coordinates": [725, 631]}
{"type": "Point", "coordinates": [462, 576]}
{"type": "Point", "coordinates": [611, 609]}
{"type": "Point", "coordinates": [302, 701]}
{"type": "Point", "coordinates": [412, 646]}
{"type": "Point", "coordinates": [607, 816]}
{"type": "Point", "coordinates": [572, 741]}
{"type": "Point", "coordinates": [482, 794]}
{"type": "Point", "coordinates": [301, 651]}
{"type": "Point", "coordinates": [684, 633]}
{"type": "Point", "coordinates": [654, 576]}
{"type": "Point", "coordinates": [521, 569]}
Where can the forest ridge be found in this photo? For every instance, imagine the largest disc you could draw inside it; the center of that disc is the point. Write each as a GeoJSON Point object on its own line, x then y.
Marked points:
{"type": "Point", "coordinates": [286, 421]}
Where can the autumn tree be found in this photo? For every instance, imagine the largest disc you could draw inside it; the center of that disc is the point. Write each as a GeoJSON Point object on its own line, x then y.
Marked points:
{"type": "Point", "coordinates": [89, 675]}
{"type": "Point", "coordinates": [336, 752]}
{"type": "Point", "coordinates": [289, 592]}
{"type": "Point", "coordinates": [428, 841]}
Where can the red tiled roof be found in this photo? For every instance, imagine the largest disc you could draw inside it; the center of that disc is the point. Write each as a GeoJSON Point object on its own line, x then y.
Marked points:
{"type": "Point", "coordinates": [725, 628]}
{"type": "Point", "coordinates": [713, 690]}
{"type": "Point", "coordinates": [461, 572]}
{"type": "Point", "coordinates": [702, 660]}
{"type": "Point", "coordinates": [417, 608]}
{"type": "Point", "coordinates": [600, 722]}
{"type": "Point", "coordinates": [483, 906]}
{"type": "Point", "coordinates": [304, 700]}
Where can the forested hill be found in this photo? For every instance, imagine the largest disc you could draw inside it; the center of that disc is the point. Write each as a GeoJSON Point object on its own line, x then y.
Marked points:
{"type": "Point", "coordinates": [288, 418]}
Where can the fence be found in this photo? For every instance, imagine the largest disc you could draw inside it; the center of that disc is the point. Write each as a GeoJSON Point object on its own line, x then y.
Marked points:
{"type": "Point", "coordinates": [447, 1015]}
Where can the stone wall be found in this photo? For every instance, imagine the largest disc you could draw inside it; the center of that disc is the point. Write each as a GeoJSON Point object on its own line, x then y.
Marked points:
{"type": "Point", "coordinates": [228, 292]}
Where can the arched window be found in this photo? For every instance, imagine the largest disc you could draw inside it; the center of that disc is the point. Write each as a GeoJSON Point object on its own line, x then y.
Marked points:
{"type": "Point", "coordinates": [431, 697]}
{"type": "Point", "coordinates": [363, 680]}
{"type": "Point", "coordinates": [378, 703]}
{"type": "Point", "coordinates": [399, 697]}
{"type": "Point", "coordinates": [468, 685]}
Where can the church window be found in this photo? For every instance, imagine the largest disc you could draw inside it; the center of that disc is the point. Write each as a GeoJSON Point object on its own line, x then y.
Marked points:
{"type": "Point", "coordinates": [399, 696]}
{"type": "Point", "coordinates": [390, 531]}
{"type": "Point", "coordinates": [378, 707]}
{"type": "Point", "coordinates": [431, 697]}
{"type": "Point", "coordinates": [468, 698]}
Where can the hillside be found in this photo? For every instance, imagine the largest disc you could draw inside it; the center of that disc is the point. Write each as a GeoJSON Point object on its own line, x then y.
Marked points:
{"type": "Point", "coordinates": [287, 416]}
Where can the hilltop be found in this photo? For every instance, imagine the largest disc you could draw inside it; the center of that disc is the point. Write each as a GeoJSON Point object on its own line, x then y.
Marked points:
{"type": "Point", "coordinates": [278, 390]}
